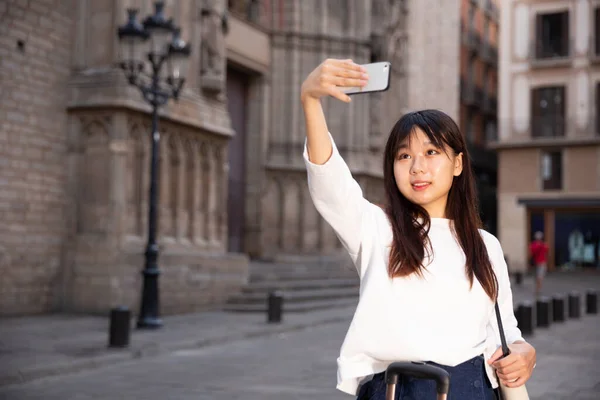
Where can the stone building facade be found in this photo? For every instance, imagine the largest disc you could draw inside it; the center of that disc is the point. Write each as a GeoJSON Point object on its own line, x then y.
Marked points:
{"type": "Point", "coordinates": [549, 131]}
{"type": "Point", "coordinates": [75, 141]}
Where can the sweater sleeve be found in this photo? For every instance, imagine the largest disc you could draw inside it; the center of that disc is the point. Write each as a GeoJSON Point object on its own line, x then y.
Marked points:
{"type": "Point", "coordinates": [338, 198]}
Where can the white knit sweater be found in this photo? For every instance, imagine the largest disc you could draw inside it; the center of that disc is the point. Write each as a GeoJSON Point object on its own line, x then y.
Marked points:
{"type": "Point", "coordinates": [435, 318]}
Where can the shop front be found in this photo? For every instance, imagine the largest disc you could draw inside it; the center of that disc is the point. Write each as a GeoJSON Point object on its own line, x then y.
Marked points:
{"type": "Point", "coordinates": [571, 228]}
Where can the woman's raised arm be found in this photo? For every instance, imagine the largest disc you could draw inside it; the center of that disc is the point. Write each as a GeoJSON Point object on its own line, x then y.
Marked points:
{"type": "Point", "coordinates": [335, 193]}
{"type": "Point", "coordinates": [326, 80]}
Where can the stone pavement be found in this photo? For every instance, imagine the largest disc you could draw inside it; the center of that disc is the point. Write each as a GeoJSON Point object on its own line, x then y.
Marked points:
{"type": "Point", "coordinates": [296, 366]}
{"type": "Point", "coordinates": [567, 360]}
{"type": "Point", "coordinates": [557, 283]}
{"type": "Point", "coordinates": [36, 347]}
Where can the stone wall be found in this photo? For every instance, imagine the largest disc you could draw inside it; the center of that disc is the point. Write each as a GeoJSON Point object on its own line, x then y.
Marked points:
{"type": "Point", "coordinates": [109, 168]}
{"type": "Point", "coordinates": [75, 153]}
{"type": "Point", "coordinates": [312, 32]}
{"type": "Point", "coordinates": [75, 168]}
{"type": "Point", "coordinates": [35, 58]}
{"type": "Point", "coordinates": [434, 55]}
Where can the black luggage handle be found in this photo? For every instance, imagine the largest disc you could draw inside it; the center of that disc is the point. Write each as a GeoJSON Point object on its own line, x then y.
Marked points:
{"type": "Point", "coordinates": [417, 370]}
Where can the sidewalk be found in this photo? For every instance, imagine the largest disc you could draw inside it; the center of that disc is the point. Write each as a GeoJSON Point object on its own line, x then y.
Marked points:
{"type": "Point", "coordinates": [557, 283]}
{"type": "Point", "coordinates": [39, 346]}
{"type": "Point", "coordinates": [567, 358]}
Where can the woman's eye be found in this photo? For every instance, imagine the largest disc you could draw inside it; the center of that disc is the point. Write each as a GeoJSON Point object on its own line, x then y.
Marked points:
{"type": "Point", "coordinates": [432, 152]}
{"type": "Point", "coordinates": [403, 156]}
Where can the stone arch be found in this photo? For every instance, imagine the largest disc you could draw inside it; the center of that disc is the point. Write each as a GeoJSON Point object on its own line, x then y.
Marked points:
{"type": "Point", "coordinates": [95, 130]}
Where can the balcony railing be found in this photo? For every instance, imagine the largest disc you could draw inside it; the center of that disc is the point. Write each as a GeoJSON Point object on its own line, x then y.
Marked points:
{"type": "Point", "coordinates": [470, 37]}
{"type": "Point", "coordinates": [492, 10]}
{"type": "Point", "coordinates": [486, 53]}
{"type": "Point", "coordinates": [467, 91]}
{"type": "Point", "coordinates": [494, 52]}
{"type": "Point", "coordinates": [490, 103]}
{"type": "Point", "coordinates": [594, 49]}
{"type": "Point", "coordinates": [542, 56]}
{"type": "Point", "coordinates": [552, 130]}
{"type": "Point", "coordinates": [548, 126]}
{"type": "Point", "coordinates": [474, 39]}
{"type": "Point", "coordinates": [478, 97]}
{"type": "Point", "coordinates": [489, 54]}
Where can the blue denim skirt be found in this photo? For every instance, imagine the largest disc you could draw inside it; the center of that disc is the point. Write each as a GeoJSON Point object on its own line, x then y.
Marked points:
{"type": "Point", "coordinates": [468, 381]}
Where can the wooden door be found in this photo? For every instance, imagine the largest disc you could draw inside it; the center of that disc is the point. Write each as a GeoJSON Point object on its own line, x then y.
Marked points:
{"type": "Point", "coordinates": [237, 103]}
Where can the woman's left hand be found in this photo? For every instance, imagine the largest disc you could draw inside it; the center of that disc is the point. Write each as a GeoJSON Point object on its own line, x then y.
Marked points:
{"type": "Point", "coordinates": [516, 368]}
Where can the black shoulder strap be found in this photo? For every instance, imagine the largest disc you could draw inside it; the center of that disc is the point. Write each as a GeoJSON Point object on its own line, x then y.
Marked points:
{"type": "Point", "coordinates": [505, 350]}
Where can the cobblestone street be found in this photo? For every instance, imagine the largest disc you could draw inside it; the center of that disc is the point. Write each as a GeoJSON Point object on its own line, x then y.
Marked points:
{"type": "Point", "coordinates": [300, 365]}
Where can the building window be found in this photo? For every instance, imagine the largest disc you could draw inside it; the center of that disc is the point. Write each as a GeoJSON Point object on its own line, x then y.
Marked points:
{"type": "Point", "coordinates": [552, 35]}
{"type": "Point", "coordinates": [597, 108]}
{"type": "Point", "coordinates": [248, 9]}
{"type": "Point", "coordinates": [597, 31]}
{"type": "Point", "coordinates": [548, 112]}
{"type": "Point", "coordinates": [552, 170]}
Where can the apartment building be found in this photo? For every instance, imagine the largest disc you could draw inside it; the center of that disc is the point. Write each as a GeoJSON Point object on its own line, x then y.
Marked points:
{"type": "Point", "coordinates": [232, 179]}
{"type": "Point", "coordinates": [549, 133]}
{"type": "Point", "coordinates": [478, 96]}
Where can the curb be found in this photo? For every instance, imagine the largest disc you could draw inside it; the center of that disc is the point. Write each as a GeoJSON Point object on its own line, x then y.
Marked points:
{"type": "Point", "coordinates": [150, 351]}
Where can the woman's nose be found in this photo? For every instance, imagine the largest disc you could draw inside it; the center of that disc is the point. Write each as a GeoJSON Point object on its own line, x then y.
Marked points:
{"type": "Point", "coordinates": [418, 165]}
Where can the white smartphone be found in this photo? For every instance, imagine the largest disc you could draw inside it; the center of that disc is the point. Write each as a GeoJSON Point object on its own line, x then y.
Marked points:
{"type": "Point", "coordinates": [379, 79]}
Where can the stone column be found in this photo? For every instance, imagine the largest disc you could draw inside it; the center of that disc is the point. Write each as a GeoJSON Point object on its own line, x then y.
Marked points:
{"type": "Point", "coordinates": [119, 149]}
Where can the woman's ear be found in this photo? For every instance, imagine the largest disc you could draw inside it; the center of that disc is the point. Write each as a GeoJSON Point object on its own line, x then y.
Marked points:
{"type": "Point", "coordinates": [458, 164]}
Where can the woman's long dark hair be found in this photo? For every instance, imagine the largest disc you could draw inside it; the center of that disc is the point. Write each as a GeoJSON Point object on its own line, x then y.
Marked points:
{"type": "Point", "coordinates": [410, 222]}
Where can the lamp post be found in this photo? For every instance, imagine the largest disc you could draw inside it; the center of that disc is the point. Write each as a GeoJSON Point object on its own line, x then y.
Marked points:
{"type": "Point", "coordinates": [143, 68]}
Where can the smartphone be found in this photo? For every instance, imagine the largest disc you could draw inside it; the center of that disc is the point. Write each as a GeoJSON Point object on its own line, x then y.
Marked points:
{"type": "Point", "coordinates": [379, 79]}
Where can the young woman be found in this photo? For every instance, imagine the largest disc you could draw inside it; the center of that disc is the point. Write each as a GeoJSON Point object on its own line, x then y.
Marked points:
{"type": "Point", "coordinates": [429, 275]}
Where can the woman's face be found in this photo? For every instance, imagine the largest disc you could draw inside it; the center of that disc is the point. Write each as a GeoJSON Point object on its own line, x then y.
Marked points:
{"type": "Point", "coordinates": [424, 173]}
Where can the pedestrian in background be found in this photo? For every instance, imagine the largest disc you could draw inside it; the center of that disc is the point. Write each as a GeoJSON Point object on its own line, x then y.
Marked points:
{"type": "Point", "coordinates": [429, 275]}
{"type": "Point", "coordinates": [538, 251]}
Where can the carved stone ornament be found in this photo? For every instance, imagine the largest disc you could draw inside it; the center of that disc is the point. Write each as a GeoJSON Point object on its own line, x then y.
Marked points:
{"type": "Point", "coordinates": [213, 28]}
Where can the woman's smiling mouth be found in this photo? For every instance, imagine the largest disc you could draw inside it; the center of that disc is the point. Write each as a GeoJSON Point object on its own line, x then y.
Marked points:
{"type": "Point", "coordinates": [420, 185]}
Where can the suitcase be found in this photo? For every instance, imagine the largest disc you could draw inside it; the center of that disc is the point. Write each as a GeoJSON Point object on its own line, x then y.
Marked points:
{"type": "Point", "coordinates": [416, 370]}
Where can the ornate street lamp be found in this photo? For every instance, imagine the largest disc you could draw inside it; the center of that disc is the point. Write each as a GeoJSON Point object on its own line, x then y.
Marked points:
{"type": "Point", "coordinates": [166, 49]}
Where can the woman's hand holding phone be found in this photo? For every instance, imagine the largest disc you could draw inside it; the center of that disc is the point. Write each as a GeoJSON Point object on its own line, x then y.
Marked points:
{"type": "Point", "coordinates": [330, 77]}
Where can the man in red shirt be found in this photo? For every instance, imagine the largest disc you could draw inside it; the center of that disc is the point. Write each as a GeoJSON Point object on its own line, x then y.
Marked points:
{"type": "Point", "coordinates": [538, 250]}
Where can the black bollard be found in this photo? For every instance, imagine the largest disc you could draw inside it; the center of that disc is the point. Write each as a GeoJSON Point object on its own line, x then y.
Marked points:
{"type": "Point", "coordinates": [591, 301]}
{"type": "Point", "coordinates": [574, 305]}
{"type": "Point", "coordinates": [120, 326]}
{"type": "Point", "coordinates": [524, 316]}
{"type": "Point", "coordinates": [519, 278]}
{"type": "Point", "coordinates": [274, 307]}
{"type": "Point", "coordinates": [558, 308]}
{"type": "Point", "coordinates": [542, 311]}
